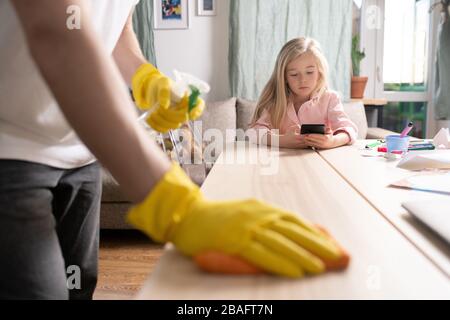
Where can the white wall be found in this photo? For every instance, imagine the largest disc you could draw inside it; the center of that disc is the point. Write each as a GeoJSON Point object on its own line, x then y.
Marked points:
{"type": "Point", "coordinates": [201, 50]}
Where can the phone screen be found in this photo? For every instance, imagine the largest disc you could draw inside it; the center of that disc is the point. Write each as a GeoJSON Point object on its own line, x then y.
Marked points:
{"type": "Point", "coordinates": [312, 128]}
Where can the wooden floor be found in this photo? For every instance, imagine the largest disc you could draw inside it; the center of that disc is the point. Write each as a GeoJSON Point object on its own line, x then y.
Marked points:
{"type": "Point", "coordinates": [126, 260]}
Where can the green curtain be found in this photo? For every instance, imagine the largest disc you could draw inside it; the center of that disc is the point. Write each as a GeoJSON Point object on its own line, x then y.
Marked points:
{"type": "Point", "coordinates": [442, 92]}
{"type": "Point", "coordinates": [259, 28]}
{"type": "Point", "coordinates": [143, 27]}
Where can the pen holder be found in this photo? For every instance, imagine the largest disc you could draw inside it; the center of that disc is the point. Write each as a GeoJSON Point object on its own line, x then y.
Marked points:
{"type": "Point", "coordinates": [395, 142]}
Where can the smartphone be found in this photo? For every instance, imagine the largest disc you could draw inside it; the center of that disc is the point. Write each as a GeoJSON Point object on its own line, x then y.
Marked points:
{"type": "Point", "coordinates": [312, 128]}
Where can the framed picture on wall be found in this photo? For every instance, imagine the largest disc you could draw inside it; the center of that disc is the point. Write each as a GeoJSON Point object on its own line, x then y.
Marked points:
{"type": "Point", "coordinates": [171, 14]}
{"type": "Point", "coordinates": [206, 7]}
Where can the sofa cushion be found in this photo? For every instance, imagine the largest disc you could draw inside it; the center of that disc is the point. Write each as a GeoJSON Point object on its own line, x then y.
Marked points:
{"type": "Point", "coordinates": [244, 112]}
{"type": "Point", "coordinates": [378, 133]}
{"type": "Point", "coordinates": [220, 115]}
{"type": "Point", "coordinates": [356, 112]}
{"type": "Point", "coordinates": [114, 206]}
{"type": "Point", "coordinates": [113, 215]}
{"type": "Point", "coordinates": [111, 190]}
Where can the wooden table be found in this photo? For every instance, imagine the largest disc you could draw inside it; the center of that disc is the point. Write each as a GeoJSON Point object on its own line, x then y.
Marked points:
{"type": "Point", "coordinates": [385, 263]}
{"type": "Point", "coordinates": [370, 177]}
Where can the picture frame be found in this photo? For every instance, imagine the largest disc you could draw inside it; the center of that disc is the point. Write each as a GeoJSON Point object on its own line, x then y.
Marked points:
{"type": "Point", "coordinates": [206, 7]}
{"type": "Point", "coordinates": [171, 14]}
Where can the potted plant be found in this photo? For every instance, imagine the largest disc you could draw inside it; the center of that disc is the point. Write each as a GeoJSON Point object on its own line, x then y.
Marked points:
{"type": "Point", "coordinates": [358, 83]}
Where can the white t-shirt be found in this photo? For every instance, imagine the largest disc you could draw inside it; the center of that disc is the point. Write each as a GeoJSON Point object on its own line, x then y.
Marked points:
{"type": "Point", "coordinates": [32, 127]}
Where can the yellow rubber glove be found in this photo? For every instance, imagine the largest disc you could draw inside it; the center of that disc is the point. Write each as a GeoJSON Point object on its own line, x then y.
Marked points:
{"type": "Point", "coordinates": [270, 238]}
{"type": "Point", "coordinates": [152, 91]}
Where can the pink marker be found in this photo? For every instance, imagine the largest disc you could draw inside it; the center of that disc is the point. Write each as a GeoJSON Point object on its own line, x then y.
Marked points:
{"type": "Point", "coordinates": [406, 130]}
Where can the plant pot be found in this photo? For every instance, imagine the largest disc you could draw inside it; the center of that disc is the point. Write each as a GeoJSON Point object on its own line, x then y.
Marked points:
{"type": "Point", "coordinates": [358, 87]}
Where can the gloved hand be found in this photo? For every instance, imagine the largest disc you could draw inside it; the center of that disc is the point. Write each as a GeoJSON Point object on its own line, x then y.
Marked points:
{"type": "Point", "coordinates": [267, 237]}
{"type": "Point", "coordinates": [152, 91]}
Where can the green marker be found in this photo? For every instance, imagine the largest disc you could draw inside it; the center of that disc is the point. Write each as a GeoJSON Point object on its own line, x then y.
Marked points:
{"type": "Point", "coordinates": [373, 145]}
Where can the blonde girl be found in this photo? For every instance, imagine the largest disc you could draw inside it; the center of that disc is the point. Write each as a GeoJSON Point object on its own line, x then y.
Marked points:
{"type": "Point", "coordinates": [297, 93]}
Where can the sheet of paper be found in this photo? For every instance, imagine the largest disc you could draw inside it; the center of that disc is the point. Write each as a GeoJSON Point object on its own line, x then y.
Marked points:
{"type": "Point", "coordinates": [420, 160]}
{"type": "Point", "coordinates": [432, 181]}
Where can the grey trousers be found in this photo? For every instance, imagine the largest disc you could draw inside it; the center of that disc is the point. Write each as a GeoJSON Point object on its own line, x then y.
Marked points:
{"type": "Point", "coordinates": [49, 231]}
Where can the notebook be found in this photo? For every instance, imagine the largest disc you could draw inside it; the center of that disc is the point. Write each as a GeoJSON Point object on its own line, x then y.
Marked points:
{"type": "Point", "coordinates": [433, 213]}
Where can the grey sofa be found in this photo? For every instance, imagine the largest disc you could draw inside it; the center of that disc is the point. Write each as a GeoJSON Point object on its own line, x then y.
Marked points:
{"type": "Point", "coordinates": [229, 114]}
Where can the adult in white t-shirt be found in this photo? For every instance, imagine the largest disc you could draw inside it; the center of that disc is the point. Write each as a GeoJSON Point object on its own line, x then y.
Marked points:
{"type": "Point", "coordinates": [55, 79]}
{"type": "Point", "coordinates": [56, 177]}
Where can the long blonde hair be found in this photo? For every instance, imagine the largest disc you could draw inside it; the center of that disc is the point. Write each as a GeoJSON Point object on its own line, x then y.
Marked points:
{"type": "Point", "coordinates": [275, 94]}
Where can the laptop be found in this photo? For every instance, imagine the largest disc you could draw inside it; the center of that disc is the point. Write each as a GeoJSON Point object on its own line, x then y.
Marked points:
{"type": "Point", "coordinates": [433, 213]}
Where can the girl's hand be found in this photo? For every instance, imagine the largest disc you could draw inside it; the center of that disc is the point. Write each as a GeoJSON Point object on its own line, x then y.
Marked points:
{"type": "Point", "coordinates": [327, 140]}
{"type": "Point", "coordinates": [292, 140]}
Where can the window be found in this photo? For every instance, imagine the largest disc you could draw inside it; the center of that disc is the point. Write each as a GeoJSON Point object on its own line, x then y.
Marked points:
{"type": "Point", "coordinates": [405, 53]}
{"type": "Point", "coordinates": [399, 64]}
{"type": "Point", "coordinates": [415, 112]}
